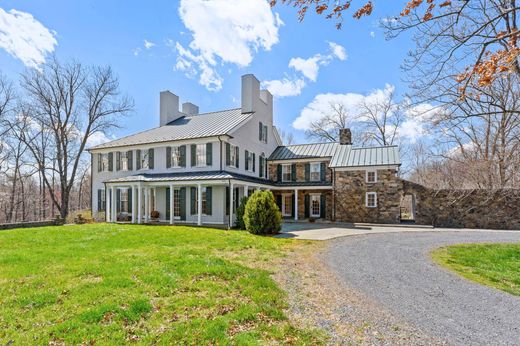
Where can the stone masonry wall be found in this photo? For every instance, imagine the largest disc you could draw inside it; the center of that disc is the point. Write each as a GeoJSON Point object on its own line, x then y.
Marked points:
{"type": "Point", "coordinates": [495, 209]}
{"type": "Point", "coordinates": [350, 191]}
{"type": "Point", "coordinates": [300, 172]}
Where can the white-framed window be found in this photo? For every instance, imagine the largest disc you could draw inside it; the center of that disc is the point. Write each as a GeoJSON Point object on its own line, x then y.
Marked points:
{"type": "Point", "coordinates": [315, 205]}
{"type": "Point", "coordinates": [264, 134]}
{"type": "Point", "coordinates": [124, 160]}
{"type": "Point", "coordinates": [286, 204]}
{"type": "Point", "coordinates": [232, 155]}
{"type": "Point", "coordinates": [315, 171]}
{"type": "Point", "coordinates": [123, 201]}
{"type": "Point", "coordinates": [200, 155]}
{"type": "Point", "coordinates": [177, 204]}
{"type": "Point", "coordinates": [104, 162]}
{"type": "Point", "coordinates": [371, 176]}
{"type": "Point", "coordinates": [102, 200]}
{"type": "Point", "coordinates": [204, 201]}
{"type": "Point", "coordinates": [250, 159]}
{"type": "Point", "coordinates": [176, 157]}
{"type": "Point", "coordinates": [371, 199]}
{"type": "Point", "coordinates": [144, 159]}
{"type": "Point", "coordinates": [287, 172]}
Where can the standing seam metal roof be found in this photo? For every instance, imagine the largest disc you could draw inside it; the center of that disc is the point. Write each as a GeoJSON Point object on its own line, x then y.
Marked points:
{"type": "Point", "coordinates": [302, 151]}
{"type": "Point", "coordinates": [186, 127]}
{"type": "Point", "coordinates": [347, 156]}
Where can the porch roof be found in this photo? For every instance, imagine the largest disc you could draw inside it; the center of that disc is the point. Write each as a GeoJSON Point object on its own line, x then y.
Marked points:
{"type": "Point", "coordinates": [187, 176]}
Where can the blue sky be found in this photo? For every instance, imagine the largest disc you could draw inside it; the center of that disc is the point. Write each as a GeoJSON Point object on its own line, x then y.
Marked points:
{"type": "Point", "coordinates": [182, 36]}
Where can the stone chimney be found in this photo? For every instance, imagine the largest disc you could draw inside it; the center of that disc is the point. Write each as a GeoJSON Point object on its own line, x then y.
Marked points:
{"type": "Point", "coordinates": [169, 107]}
{"type": "Point", "coordinates": [189, 108]}
{"type": "Point", "coordinates": [345, 137]}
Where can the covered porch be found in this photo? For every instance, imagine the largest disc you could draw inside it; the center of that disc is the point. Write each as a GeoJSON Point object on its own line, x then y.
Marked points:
{"type": "Point", "coordinates": [304, 202]}
{"type": "Point", "coordinates": [173, 200]}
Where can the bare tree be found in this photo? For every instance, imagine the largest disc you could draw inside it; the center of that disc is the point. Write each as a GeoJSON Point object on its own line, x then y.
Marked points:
{"type": "Point", "coordinates": [63, 106]}
{"type": "Point", "coordinates": [326, 129]}
{"type": "Point", "coordinates": [287, 137]}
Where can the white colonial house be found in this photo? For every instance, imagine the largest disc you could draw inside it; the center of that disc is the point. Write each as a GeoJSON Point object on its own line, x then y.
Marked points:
{"type": "Point", "coordinates": [194, 168]}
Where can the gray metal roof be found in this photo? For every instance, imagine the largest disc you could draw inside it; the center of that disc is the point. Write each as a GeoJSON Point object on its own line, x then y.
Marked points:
{"type": "Point", "coordinates": [348, 156]}
{"type": "Point", "coordinates": [302, 151]}
{"type": "Point", "coordinates": [188, 176]}
{"type": "Point", "coordinates": [186, 127]}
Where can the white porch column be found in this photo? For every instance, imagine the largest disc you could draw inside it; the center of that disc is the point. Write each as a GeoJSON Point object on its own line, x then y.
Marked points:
{"type": "Point", "coordinates": [114, 205]}
{"type": "Point", "coordinates": [146, 203]}
{"type": "Point", "coordinates": [139, 202]}
{"type": "Point", "coordinates": [199, 204]}
{"type": "Point", "coordinates": [133, 203]}
{"type": "Point", "coordinates": [108, 201]}
{"type": "Point", "coordinates": [246, 190]}
{"type": "Point", "coordinates": [296, 204]}
{"type": "Point", "coordinates": [231, 195]}
{"type": "Point", "coordinates": [172, 200]}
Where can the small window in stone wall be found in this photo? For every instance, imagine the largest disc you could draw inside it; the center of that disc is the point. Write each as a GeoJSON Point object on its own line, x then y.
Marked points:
{"type": "Point", "coordinates": [371, 199]}
{"type": "Point", "coordinates": [371, 176]}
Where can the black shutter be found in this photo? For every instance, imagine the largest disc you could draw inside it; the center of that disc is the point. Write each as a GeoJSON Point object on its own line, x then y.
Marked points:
{"type": "Point", "coordinates": [168, 157]}
{"type": "Point", "coordinates": [261, 166]}
{"type": "Point", "coordinates": [183, 156]}
{"type": "Point", "coordinates": [130, 200]}
{"type": "Point", "coordinates": [254, 162]}
{"type": "Point", "coordinates": [118, 161]}
{"type": "Point", "coordinates": [266, 133]}
{"type": "Point", "coordinates": [110, 162]}
{"type": "Point", "coordinates": [99, 202]}
{"type": "Point", "coordinates": [138, 159]}
{"type": "Point", "coordinates": [193, 204]}
{"type": "Point", "coordinates": [322, 207]}
{"type": "Point", "coordinates": [307, 171]}
{"type": "Point", "coordinates": [279, 173]}
{"type": "Point", "coordinates": [209, 199]}
{"type": "Point", "coordinates": [228, 153]}
{"type": "Point", "coordinates": [150, 158]}
{"type": "Point", "coordinates": [118, 201]}
{"type": "Point", "coordinates": [236, 199]}
{"type": "Point", "coordinates": [293, 172]}
{"type": "Point", "coordinates": [182, 202]}
{"type": "Point", "coordinates": [306, 205]}
{"type": "Point", "coordinates": [292, 204]}
{"type": "Point", "coordinates": [193, 155]}
{"type": "Point", "coordinates": [130, 159]}
{"type": "Point", "coordinates": [227, 200]}
{"type": "Point", "coordinates": [209, 154]}
{"type": "Point", "coordinates": [279, 201]}
{"type": "Point", "coordinates": [323, 170]}
{"type": "Point", "coordinates": [99, 160]}
{"type": "Point", "coordinates": [168, 204]}
{"type": "Point", "coordinates": [237, 156]}
{"type": "Point", "coordinates": [260, 130]}
{"type": "Point", "coordinates": [247, 161]}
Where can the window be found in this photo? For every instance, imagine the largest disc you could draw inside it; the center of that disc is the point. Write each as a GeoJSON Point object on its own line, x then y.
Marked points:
{"type": "Point", "coordinates": [144, 159]}
{"type": "Point", "coordinates": [101, 200]}
{"type": "Point", "coordinates": [123, 202]}
{"type": "Point", "coordinates": [176, 157]}
{"type": "Point", "coordinates": [233, 155]}
{"type": "Point", "coordinates": [371, 199]}
{"type": "Point", "coordinates": [315, 206]}
{"type": "Point", "coordinates": [262, 164]}
{"type": "Point", "coordinates": [177, 204]}
{"type": "Point", "coordinates": [250, 158]}
{"type": "Point", "coordinates": [287, 204]}
{"type": "Point", "coordinates": [124, 160]}
{"type": "Point", "coordinates": [262, 134]}
{"type": "Point", "coordinates": [286, 172]}
{"type": "Point", "coordinates": [371, 176]}
{"type": "Point", "coordinates": [204, 201]}
{"type": "Point", "coordinates": [315, 171]}
{"type": "Point", "coordinates": [200, 155]}
{"type": "Point", "coordinates": [104, 162]}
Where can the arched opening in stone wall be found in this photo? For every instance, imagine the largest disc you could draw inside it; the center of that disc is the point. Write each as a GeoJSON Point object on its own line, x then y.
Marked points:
{"type": "Point", "coordinates": [407, 208]}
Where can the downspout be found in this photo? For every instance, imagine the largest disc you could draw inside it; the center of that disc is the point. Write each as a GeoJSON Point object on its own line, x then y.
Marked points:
{"type": "Point", "coordinates": [229, 204]}
{"type": "Point", "coordinates": [91, 186]}
{"type": "Point", "coordinates": [334, 194]}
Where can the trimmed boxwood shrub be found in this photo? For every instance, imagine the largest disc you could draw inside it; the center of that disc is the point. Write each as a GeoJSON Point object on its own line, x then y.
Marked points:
{"type": "Point", "coordinates": [262, 215]}
{"type": "Point", "coordinates": [239, 222]}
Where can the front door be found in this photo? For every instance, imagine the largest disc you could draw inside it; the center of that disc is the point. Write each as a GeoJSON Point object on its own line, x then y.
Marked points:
{"type": "Point", "coordinates": [315, 206]}
{"type": "Point", "coordinates": [286, 204]}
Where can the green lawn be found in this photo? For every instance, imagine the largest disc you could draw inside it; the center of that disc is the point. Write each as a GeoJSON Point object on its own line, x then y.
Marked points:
{"type": "Point", "coordinates": [495, 265]}
{"type": "Point", "coordinates": [114, 284]}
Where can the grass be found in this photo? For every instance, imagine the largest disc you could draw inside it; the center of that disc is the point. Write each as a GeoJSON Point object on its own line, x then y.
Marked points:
{"type": "Point", "coordinates": [495, 265]}
{"type": "Point", "coordinates": [115, 284]}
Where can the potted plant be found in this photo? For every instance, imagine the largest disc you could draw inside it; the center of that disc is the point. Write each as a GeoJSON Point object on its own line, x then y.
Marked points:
{"type": "Point", "coordinates": [155, 215]}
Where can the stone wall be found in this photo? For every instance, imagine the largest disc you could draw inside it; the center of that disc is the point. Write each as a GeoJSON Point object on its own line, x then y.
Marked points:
{"type": "Point", "coordinates": [30, 224]}
{"type": "Point", "coordinates": [495, 209]}
{"type": "Point", "coordinates": [350, 189]}
{"type": "Point", "coordinates": [300, 171]}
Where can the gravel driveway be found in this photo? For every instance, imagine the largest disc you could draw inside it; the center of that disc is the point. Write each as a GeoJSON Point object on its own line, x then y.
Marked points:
{"type": "Point", "coordinates": [395, 271]}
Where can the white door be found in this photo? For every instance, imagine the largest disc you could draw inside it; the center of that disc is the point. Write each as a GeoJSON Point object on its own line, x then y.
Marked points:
{"type": "Point", "coordinates": [286, 204]}
{"type": "Point", "coordinates": [315, 206]}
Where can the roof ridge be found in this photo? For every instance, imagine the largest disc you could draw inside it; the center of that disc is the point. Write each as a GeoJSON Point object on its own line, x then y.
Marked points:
{"type": "Point", "coordinates": [377, 146]}
{"type": "Point", "coordinates": [223, 110]}
{"type": "Point", "coordinates": [294, 145]}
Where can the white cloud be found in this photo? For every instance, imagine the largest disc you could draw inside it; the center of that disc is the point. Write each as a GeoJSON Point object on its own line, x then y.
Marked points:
{"type": "Point", "coordinates": [309, 68]}
{"type": "Point", "coordinates": [285, 87]}
{"type": "Point", "coordinates": [225, 31]}
{"type": "Point", "coordinates": [25, 38]}
{"type": "Point", "coordinates": [372, 34]}
{"type": "Point", "coordinates": [338, 51]}
{"type": "Point", "coordinates": [97, 138]}
{"type": "Point", "coordinates": [148, 44]}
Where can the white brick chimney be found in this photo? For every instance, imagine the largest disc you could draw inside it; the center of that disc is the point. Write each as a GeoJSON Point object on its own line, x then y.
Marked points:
{"type": "Point", "coordinates": [189, 108]}
{"type": "Point", "coordinates": [254, 99]}
{"type": "Point", "coordinates": [169, 107]}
